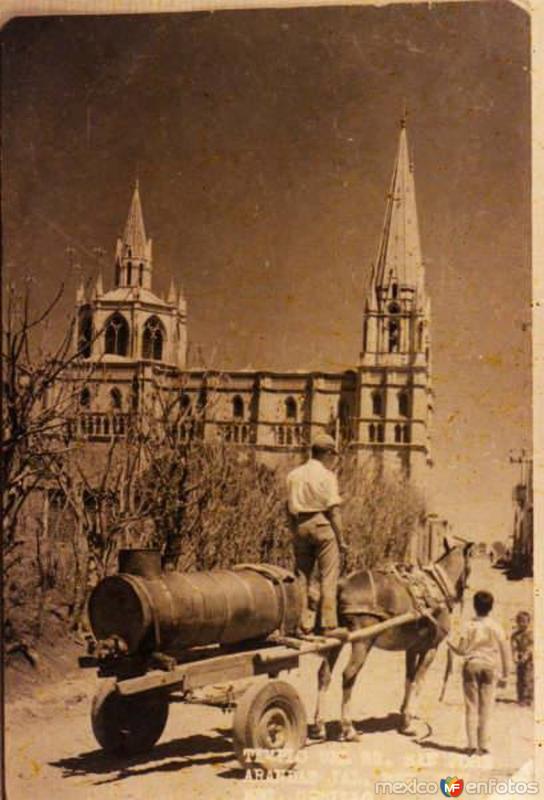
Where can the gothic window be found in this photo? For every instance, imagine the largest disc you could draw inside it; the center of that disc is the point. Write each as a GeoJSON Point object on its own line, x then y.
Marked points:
{"type": "Point", "coordinates": [343, 411]}
{"type": "Point", "coordinates": [185, 403]}
{"type": "Point", "coordinates": [85, 398]}
{"type": "Point", "coordinates": [129, 273]}
{"type": "Point", "coordinates": [406, 434]}
{"type": "Point", "coordinates": [394, 336]}
{"type": "Point", "coordinates": [117, 335]}
{"type": "Point", "coordinates": [372, 433]}
{"type": "Point", "coordinates": [237, 408]}
{"type": "Point", "coordinates": [291, 409]}
{"type": "Point", "coordinates": [153, 339]}
{"type": "Point", "coordinates": [116, 399]}
{"type": "Point", "coordinates": [85, 332]}
{"type": "Point", "coordinates": [117, 274]}
{"type": "Point", "coordinates": [377, 404]}
{"type": "Point", "coordinates": [119, 425]}
{"type": "Point", "coordinates": [404, 406]}
{"type": "Point", "coordinates": [202, 399]}
{"type": "Point", "coordinates": [394, 290]}
{"type": "Point", "coordinates": [398, 433]}
{"type": "Point", "coordinates": [344, 419]}
{"type": "Point", "coordinates": [380, 433]}
{"type": "Point", "coordinates": [141, 278]}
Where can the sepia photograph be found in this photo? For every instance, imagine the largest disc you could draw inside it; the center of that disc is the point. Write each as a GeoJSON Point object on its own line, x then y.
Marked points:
{"type": "Point", "coordinates": [267, 418]}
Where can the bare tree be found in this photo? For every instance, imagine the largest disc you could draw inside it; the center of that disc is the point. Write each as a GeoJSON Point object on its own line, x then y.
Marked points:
{"type": "Point", "coordinates": [382, 513]}
{"type": "Point", "coordinates": [37, 398]}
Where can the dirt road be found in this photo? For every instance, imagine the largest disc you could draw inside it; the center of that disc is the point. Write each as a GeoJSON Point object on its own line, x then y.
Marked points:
{"type": "Point", "coordinates": [51, 752]}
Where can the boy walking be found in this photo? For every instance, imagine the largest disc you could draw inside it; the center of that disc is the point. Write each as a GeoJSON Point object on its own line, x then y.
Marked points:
{"type": "Point", "coordinates": [484, 648]}
{"type": "Point", "coordinates": [522, 652]}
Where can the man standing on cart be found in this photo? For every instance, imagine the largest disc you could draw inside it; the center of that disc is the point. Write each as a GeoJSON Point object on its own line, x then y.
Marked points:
{"type": "Point", "coordinates": [314, 506]}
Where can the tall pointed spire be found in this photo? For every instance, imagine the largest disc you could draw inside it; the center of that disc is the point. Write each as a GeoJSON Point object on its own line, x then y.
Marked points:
{"type": "Point", "coordinates": [134, 235]}
{"type": "Point", "coordinates": [399, 255]}
{"type": "Point", "coordinates": [133, 264]}
{"type": "Point", "coordinates": [395, 398]}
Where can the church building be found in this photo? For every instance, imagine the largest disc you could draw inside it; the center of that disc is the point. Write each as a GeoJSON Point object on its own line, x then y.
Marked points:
{"type": "Point", "coordinates": [137, 340]}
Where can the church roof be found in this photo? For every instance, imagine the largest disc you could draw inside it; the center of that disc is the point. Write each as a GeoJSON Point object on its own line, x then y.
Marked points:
{"type": "Point", "coordinates": [399, 254]}
{"type": "Point", "coordinates": [134, 235]}
{"type": "Point", "coordinates": [128, 294]}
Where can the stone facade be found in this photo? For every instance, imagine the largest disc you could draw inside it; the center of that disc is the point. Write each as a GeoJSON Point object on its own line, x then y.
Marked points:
{"type": "Point", "coordinates": [382, 406]}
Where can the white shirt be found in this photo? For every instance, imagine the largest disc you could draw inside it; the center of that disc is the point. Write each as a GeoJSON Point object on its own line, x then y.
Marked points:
{"type": "Point", "coordinates": [312, 488]}
{"type": "Point", "coordinates": [483, 639]}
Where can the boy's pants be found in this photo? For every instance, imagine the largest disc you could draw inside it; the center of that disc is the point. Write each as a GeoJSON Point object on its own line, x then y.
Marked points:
{"type": "Point", "coordinates": [525, 679]}
{"type": "Point", "coordinates": [479, 681]}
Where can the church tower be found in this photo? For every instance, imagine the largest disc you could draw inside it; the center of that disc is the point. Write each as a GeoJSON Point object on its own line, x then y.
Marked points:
{"type": "Point", "coordinates": [395, 394]}
{"type": "Point", "coordinates": [131, 335]}
{"type": "Point", "coordinates": [129, 323]}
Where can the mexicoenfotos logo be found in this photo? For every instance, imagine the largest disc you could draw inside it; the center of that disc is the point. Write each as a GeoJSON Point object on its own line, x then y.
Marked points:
{"type": "Point", "coordinates": [451, 787]}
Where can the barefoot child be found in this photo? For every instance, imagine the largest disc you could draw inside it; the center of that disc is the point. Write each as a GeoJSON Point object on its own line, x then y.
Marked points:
{"type": "Point", "coordinates": [484, 648]}
{"type": "Point", "coordinates": [522, 652]}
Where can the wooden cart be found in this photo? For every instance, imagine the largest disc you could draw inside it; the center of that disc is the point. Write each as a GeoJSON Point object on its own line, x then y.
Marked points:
{"type": "Point", "coordinates": [129, 712]}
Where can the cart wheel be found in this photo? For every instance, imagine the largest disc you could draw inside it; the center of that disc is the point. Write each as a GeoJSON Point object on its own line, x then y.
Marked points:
{"type": "Point", "coordinates": [127, 725]}
{"type": "Point", "coordinates": [271, 718]}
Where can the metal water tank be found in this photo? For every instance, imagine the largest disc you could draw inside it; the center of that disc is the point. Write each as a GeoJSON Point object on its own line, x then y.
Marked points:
{"type": "Point", "coordinates": [171, 611]}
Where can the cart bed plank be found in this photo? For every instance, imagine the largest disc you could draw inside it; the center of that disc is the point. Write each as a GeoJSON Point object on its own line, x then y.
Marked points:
{"type": "Point", "coordinates": [219, 669]}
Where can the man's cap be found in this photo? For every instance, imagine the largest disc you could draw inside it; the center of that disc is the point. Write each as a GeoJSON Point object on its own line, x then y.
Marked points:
{"type": "Point", "coordinates": [324, 442]}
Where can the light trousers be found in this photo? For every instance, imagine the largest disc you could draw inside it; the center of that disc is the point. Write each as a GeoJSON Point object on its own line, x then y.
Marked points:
{"type": "Point", "coordinates": [315, 540]}
{"type": "Point", "coordinates": [479, 681]}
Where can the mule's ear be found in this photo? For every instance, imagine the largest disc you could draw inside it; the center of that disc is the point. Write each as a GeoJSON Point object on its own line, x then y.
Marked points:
{"type": "Point", "coordinates": [468, 549]}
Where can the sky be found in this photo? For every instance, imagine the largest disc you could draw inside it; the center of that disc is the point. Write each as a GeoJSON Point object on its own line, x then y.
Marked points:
{"type": "Point", "coordinates": [264, 143]}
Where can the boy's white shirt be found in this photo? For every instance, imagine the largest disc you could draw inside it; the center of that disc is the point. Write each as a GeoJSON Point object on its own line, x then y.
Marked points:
{"type": "Point", "coordinates": [483, 638]}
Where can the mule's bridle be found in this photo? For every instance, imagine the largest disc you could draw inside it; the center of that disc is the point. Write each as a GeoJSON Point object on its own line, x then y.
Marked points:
{"type": "Point", "coordinates": [443, 581]}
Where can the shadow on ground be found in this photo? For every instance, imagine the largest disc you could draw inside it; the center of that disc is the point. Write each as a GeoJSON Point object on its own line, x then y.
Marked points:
{"type": "Point", "coordinates": [391, 722]}
{"type": "Point", "coordinates": [175, 755]}
{"type": "Point", "coordinates": [446, 748]}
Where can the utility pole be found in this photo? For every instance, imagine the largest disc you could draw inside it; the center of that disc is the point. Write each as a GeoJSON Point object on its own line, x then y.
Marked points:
{"type": "Point", "coordinates": [523, 460]}
{"type": "Point", "coordinates": [522, 546]}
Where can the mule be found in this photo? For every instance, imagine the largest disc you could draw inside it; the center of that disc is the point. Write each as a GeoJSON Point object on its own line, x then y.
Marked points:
{"type": "Point", "coordinates": [366, 597]}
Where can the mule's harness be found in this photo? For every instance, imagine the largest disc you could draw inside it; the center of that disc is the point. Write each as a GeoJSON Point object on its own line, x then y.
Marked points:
{"type": "Point", "coordinates": [442, 579]}
{"type": "Point", "coordinates": [422, 604]}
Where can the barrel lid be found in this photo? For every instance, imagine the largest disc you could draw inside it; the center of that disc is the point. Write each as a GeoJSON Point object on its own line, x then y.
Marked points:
{"type": "Point", "coordinates": [116, 607]}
